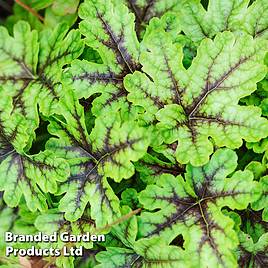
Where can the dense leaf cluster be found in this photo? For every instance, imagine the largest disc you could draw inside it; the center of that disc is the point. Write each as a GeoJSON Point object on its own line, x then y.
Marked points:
{"type": "Point", "coordinates": [144, 120]}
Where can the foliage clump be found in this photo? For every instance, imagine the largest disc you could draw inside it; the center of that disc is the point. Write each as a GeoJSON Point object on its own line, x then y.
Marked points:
{"type": "Point", "coordinates": [142, 120]}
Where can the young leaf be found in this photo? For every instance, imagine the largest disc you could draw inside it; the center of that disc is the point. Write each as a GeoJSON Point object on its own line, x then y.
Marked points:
{"type": "Point", "coordinates": [107, 152]}
{"type": "Point", "coordinates": [61, 12]}
{"type": "Point", "coordinates": [193, 208]}
{"type": "Point", "coordinates": [127, 230]}
{"type": "Point", "coordinates": [63, 8]}
{"type": "Point", "coordinates": [31, 67]}
{"type": "Point", "coordinates": [202, 101]}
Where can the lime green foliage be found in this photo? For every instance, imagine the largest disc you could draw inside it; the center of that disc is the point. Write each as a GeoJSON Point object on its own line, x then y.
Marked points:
{"type": "Point", "coordinates": [107, 152]}
{"type": "Point", "coordinates": [234, 15]}
{"type": "Point", "coordinates": [61, 11]}
{"type": "Point", "coordinates": [253, 254]}
{"type": "Point", "coordinates": [21, 173]}
{"type": "Point", "coordinates": [192, 207]}
{"type": "Point", "coordinates": [141, 120]}
{"type": "Point", "coordinates": [142, 253]}
{"type": "Point", "coordinates": [109, 29]}
{"type": "Point", "coordinates": [8, 216]}
{"type": "Point", "coordinates": [262, 203]}
{"type": "Point", "coordinates": [54, 221]}
{"type": "Point", "coordinates": [31, 67]}
{"type": "Point", "coordinates": [192, 105]}
{"type": "Point", "coordinates": [255, 20]}
{"type": "Point", "coordinates": [16, 220]}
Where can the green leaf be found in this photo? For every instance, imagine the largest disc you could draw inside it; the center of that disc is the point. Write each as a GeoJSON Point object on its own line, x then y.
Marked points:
{"type": "Point", "coordinates": [109, 29]}
{"type": "Point", "coordinates": [155, 253]}
{"type": "Point", "coordinates": [61, 11]}
{"type": "Point", "coordinates": [255, 20]}
{"type": "Point", "coordinates": [8, 217]}
{"type": "Point", "coordinates": [201, 102]}
{"type": "Point", "coordinates": [107, 152]}
{"type": "Point", "coordinates": [129, 197]}
{"type": "Point", "coordinates": [38, 4]}
{"type": "Point", "coordinates": [197, 23]}
{"type": "Point", "coordinates": [145, 10]}
{"type": "Point", "coordinates": [262, 203]}
{"type": "Point", "coordinates": [21, 173]}
{"type": "Point", "coordinates": [54, 18]}
{"type": "Point", "coordinates": [258, 147]}
{"type": "Point", "coordinates": [228, 15]}
{"type": "Point", "coordinates": [253, 254]}
{"type": "Point", "coordinates": [192, 207]}
{"type": "Point", "coordinates": [127, 230]}
{"type": "Point", "coordinates": [116, 258]}
{"type": "Point", "coordinates": [53, 221]}
{"type": "Point", "coordinates": [151, 168]}
{"type": "Point", "coordinates": [257, 168]}
{"type": "Point", "coordinates": [151, 253]}
{"type": "Point", "coordinates": [31, 67]}
{"type": "Point", "coordinates": [64, 262]}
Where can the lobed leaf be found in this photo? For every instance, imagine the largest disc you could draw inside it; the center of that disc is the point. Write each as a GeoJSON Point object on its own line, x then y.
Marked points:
{"type": "Point", "coordinates": [255, 20]}
{"type": "Point", "coordinates": [192, 207]}
{"type": "Point", "coordinates": [253, 254]}
{"type": "Point", "coordinates": [262, 203]}
{"type": "Point", "coordinates": [23, 174]}
{"type": "Point", "coordinates": [201, 102]}
{"type": "Point", "coordinates": [107, 152]}
{"type": "Point", "coordinates": [109, 28]}
{"type": "Point", "coordinates": [31, 67]}
{"type": "Point", "coordinates": [145, 10]}
{"type": "Point", "coordinates": [151, 253]}
{"type": "Point", "coordinates": [228, 15]}
{"type": "Point", "coordinates": [53, 221]}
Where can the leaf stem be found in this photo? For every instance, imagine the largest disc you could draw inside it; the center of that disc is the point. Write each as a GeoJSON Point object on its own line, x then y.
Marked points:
{"type": "Point", "coordinates": [120, 220]}
{"type": "Point", "coordinates": [31, 10]}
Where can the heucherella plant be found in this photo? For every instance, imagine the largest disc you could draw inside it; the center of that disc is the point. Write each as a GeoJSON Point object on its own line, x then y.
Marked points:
{"type": "Point", "coordinates": [192, 105]}
{"type": "Point", "coordinates": [192, 207]}
{"type": "Point", "coordinates": [198, 21]}
{"type": "Point", "coordinates": [21, 173]}
{"type": "Point", "coordinates": [31, 66]}
{"type": "Point", "coordinates": [143, 121]}
{"type": "Point", "coordinates": [107, 152]}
